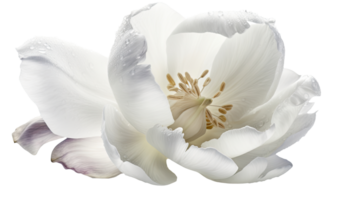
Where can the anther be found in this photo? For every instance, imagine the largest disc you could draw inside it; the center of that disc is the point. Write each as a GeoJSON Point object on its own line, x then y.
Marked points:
{"type": "Point", "coordinates": [197, 89]}
{"type": "Point", "coordinates": [215, 122]}
{"type": "Point", "coordinates": [188, 77]}
{"type": "Point", "coordinates": [222, 118]}
{"type": "Point", "coordinates": [209, 127]}
{"type": "Point", "coordinates": [170, 87]}
{"type": "Point", "coordinates": [204, 73]}
{"type": "Point", "coordinates": [183, 87]}
{"type": "Point", "coordinates": [170, 79]}
{"type": "Point", "coordinates": [182, 78]}
{"type": "Point", "coordinates": [217, 95]}
{"type": "Point", "coordinates": [223, 84]}
{"type": "Point", "coordinates": [209, 115]}
{"type": "Point", "coordinates": [174, 89]}
{"type": "Point", "coordinates": [207, 81]}
{"type": "Point", "coordinates": [174, 97]}
{"type": "Point", "coordinates": [220, 125]}
{"type": "Point", "coordinates": [228, 107]}
{"type": "Point", "coordinates": [223, 111]}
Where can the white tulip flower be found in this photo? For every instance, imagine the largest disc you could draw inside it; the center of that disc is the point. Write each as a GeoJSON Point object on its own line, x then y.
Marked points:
{"type": "Point", "coordinates": [208, 92]}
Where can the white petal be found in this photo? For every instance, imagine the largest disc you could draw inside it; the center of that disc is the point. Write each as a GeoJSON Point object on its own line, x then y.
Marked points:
{"type": "Point", "coordinates": [259, 169]}
{"type": "Point", "coordinates": [133, 147]}
{"type": "Point", "coordinates": [155, 21]}
{"type": "Point", "coordinates": [249, 173]}
{"type": "Point", "coordinates": [302, 124]}
{"type": "Point", "coordinates": [207, 161]}
{"type": "Point", "coordinates": [276, 167]}
{"type": "Point", "coordinates": [247, 63]}
{"type": "Point", "coordinates": [236, 142]}
{"type": "Point", "coordinates": [192, 53]}
{"type": "Point", "coordinates": [32, 135]}
{"type": "Point", "coordinates": [68, 84]}
{"type": "Point", "coordinates": [86, 156]}
{"type": "Point", "coordinates": [140, 98]}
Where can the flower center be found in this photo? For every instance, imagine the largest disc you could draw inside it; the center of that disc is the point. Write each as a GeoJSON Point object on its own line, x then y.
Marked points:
{"type": "Point", "coordinates": [190, 109]}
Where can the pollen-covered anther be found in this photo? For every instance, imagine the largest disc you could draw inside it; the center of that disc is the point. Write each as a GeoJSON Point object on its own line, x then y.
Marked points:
{"type": "Point", "coordinates": [220, 125]}
{"type": "Point", "coordinates": [222, 118]}
{"type": "Point", "coordinates": [223, 84]}
{"type": "Point", "coordinates": [228, 107]}
{"type": "Point", "coordinates": [170, 79]}
{"type": "Point", "coordinates": [189, 78]}
{"type": "Point", "coordinates": [217, 95]}
{"type": "Point", "coordinates": [182, 78]}
{"type": "Point", "coordinates": [184, 88]}
{"type": "Point", "coordinates": [223, 111]}
{"type": "Point", "coordinates": [204, 73]}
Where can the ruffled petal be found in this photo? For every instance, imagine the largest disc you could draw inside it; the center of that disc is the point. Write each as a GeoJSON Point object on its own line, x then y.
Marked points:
{"type": "Point", "coordinates": [236, 142]}
{"type": "Point", "coordinates": [259, 169]}
{"type": "Point", "coordinates": [247, 63]}
{"type": "Point", "coordinates": [155, 21]}
{"type": "Point", "coordinates": [85, 156]}
{"type": "Point", "coordinates": [276, 167]}
{"type": "Point", "coordinates": [32, 135]}
{"type": "Point", "coordinates": [68, 84]}
{"type": "Point", "coordinates": [133, 147]}
{"type": "Point", "coordinates": [207, 161]}
{"type": "Point", "coordinates": [139, 97]}
{"type": "Point", "coordinates": [302, 124]}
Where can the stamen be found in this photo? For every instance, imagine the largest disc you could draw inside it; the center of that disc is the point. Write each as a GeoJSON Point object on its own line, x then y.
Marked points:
{"type": "Point", "coordinates": [170, 87]}
{"type": "Point", "coordinates": [207, 120]}
{"type": "Point", "coordinates": [206, 102]}
{"type": "Point", "coordinates": [228, 107]}
{"type": "Point", "coordinates": [223, 84]}
{"type": "Point", "coordinates": [204, 73]}
{"type": "Point", "coordinates": [174, 97]}
{"type": "Point", "coordinates": [215, 122]}
{"type": "Point", "coordinates": [170, 79]}
{"type": "Point", "coordinates": [197, 89]}
{"type": "Point", "coordinates": [220, 125]}
{"type": "Point", "coordinates": [223, 111]}
{"type": "Point", "coordinates": [188, 77]}
{"type": "Point", "coordinates": [209, 127]}
{"type": "Point", "coordinates": [182, 78]}
{"type": "Point", "coordinates": [174, 89]}
{"type": "Point", "coordinates": [207, 81]}
{"type": "Point", "coordinates": [222, 118]}
{"type": "Point", "coordinates": [183, 87]}
{"type": "Point", "coordinates": [217, 95]}
{"type": "Point", "coordinates": [209, 115]}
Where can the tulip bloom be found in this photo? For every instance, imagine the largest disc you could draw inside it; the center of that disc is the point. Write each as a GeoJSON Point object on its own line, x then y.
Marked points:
{"type": "Point", "coordinates": [209, 92]}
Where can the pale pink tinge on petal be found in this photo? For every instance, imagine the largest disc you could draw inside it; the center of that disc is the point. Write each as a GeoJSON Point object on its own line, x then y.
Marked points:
{"type": "Point", "coordinates": [85, 156]}
{"type": "Point", "coordinates": [32, 135]}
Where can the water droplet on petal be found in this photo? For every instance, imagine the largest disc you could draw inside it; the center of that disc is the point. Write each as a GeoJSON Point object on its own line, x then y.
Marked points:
{"type": "Point", "coordinates": [32, 47]}
{"type": "Point", "coordinates": [42, 51]}
{"type": "Point", "coordinates": [47, 46]}
{"type": "Point", "coordinates": [127, 41]}
{"type": "Point", "coordinates": [21, 56]}
{"type": "Point", "coordinates": [138, 57]}
{"type": "Point", "coordinates": [39, 42]}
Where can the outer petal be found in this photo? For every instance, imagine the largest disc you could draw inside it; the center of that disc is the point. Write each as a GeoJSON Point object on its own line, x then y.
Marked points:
{"type": "Point", "coordinates": [207, 161]}
{"type": "Point", "coordinates": [133, 147]}
{"type": "Point", "coordinates": [155, 21]}
{"type": "Point", "coordinates": [247, 63]}
{"type": "Point", "coordinates": [32, 135]}
{"type": "Point", "coordinates": [139, 97]}
{"type": "Point", "coordinates": [276, 167]}
{"type": "Point", "coordinates": [68, 84]}
{"type": "Point", "coordinates": [236, 142]}
{"type": "Point", "coordinates": [259, 169]}
{"type": "Point", "coordinates": [302, 124]}
{"type": "Point", "coordinates": [86, 156]}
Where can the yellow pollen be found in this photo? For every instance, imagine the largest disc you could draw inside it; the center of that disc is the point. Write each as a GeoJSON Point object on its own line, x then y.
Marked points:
{"type": "Point", "coordinates": [222, 118]}
{"type": "Point", "coordinates": [228, 107]}
{"type": "Point", "coordinates": [204, 73]}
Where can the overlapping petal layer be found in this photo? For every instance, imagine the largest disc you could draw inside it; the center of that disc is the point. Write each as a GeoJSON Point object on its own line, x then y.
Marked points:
{"type": "Point", "coordinates": [86, 156]}
{"type": "Point", "coordinates": [68, 84]}
{"type": "Point", "coordinates": [132, 146]}
{"type": "Point", "coordinates": [32, 135]}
